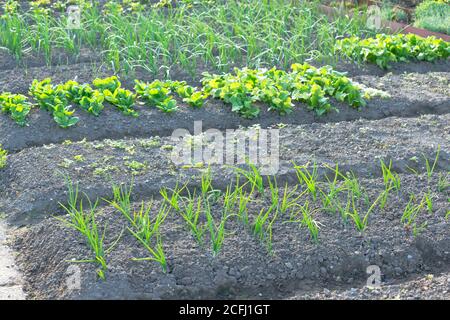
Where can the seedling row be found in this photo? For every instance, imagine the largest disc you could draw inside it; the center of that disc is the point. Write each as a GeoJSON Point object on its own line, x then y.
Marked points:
{"type": "Point", "coordinates": [258, 205]}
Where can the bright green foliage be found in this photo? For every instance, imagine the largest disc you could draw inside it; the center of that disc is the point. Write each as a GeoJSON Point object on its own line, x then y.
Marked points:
{"type": "Point", "coordinates": [433, 15]}
{"type": "Point", "coordinates": [53, 98]}
{"type": "Point", "coordinates": [278, 89]}
{"type": "Point", "coordinates": [385, 49]}
{"type": "Point", "coordinates": [312, 85]}
{"type": "Point", "coordinates": [157, 94]}
{"type": "Point", "coordinates": [234, 90]}
{"type": "Point", "coordinates": [84, 222]}
{"type": "Point", "coordinates": [190, 94]}
{"type": "Point", "coordinates": [16, 105]}
{"type": "Point", "coordinates": [3, 155]}
{"type": "Point", "coordinates": [93, 103]}
{"type": "Point", "coordinates": [110, 83]}
{"type": "Point", "coordinates": [123, 99]}
{"type": "Point", "coordinates": [89, 99]}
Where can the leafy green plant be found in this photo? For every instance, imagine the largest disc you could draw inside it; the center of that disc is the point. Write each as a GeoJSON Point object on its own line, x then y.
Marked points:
{"type": "Point", "coordinates": [385, 49]}
{"type": "Point", "coordinates": [110, 84]}
{"type": "Point", "coordinates": [157, 94]}
{"type": "Point", "coordinates": [16, 105]}
{"type": "Point", "coordinates": [189, 94]}
{"type": "Point", "coordinates": [433, 15]}
{"type": "Point", "coordinates": [89, 99]}
{"type": "Point", "coordinates": [278, 89]}
{"type": "Point", "coordinates": [123, 99]}
{"type": "Point", "coordinates": [53, 98]}
{"type": "Point", "coordinates": [93, 103]}
{"type": "Point", "coordinates": [3, 157]}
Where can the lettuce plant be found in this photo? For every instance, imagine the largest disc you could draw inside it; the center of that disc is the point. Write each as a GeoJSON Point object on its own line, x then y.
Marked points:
{"type": "Point", "coordinates": [123, 99]}
{"type": "Point", "coordinates": [53, 99]}
{"type": "Point", "coordinates": [279, 89]}
{"type": "Point", "coordinates": [89, 99]}
{"type": "Point", "coordinates": [16, 105]}
{"type": "Point", "coordinates": [110, 84]}
{"type": "Point", "coordinates": [385, 49]}
{"type": "Point", "coordinates": [157, 94]}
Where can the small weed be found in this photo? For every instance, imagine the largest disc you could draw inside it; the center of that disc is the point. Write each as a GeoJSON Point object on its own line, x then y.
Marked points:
{"type": "Point", "coordinates": [79, 158]}
{"type": "Point", "coordinates": [136, 167]}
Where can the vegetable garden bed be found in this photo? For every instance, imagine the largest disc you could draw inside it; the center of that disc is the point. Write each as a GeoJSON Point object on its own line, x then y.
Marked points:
{"type": "Point", "coordinates": [363, 168]}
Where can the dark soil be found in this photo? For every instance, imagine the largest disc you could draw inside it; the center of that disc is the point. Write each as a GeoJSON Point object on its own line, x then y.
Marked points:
{"type": "Point", "coordinates": [412, 94]}
{"type": "Point", "coordinates": [406, 128]}
{"type": "Point", "coordinates": [33, 182]}
{"type": "Point", "coordinates": [244, 268]}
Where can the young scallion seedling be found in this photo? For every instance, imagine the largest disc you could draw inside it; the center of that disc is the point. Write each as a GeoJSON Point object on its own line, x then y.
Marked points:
{"type": "Point", "coordinates": [191, 212]}
{"type": "Point", "coordinates": [84, 222]}
{"type": "Point", "coordinates": [216, 229]}
{"type": "Point", "coordinates": [145, 228]}
{"type": "Point", "coordinates": [430, 168]}
{"type": "Point", "coordinates": [390, 178]}
{"type": "Point", "coordinates": [253, 176]}
{"type": "Point", "coordinates": [307, 178]}
{"type": "Point", "coordinates": [175, 197]}
{"type": "Point", "coordinates": [304, 216]}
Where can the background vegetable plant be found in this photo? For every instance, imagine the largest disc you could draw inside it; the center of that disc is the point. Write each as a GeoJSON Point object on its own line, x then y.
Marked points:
{"type": "Point", "coordinates": [384, 49]}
